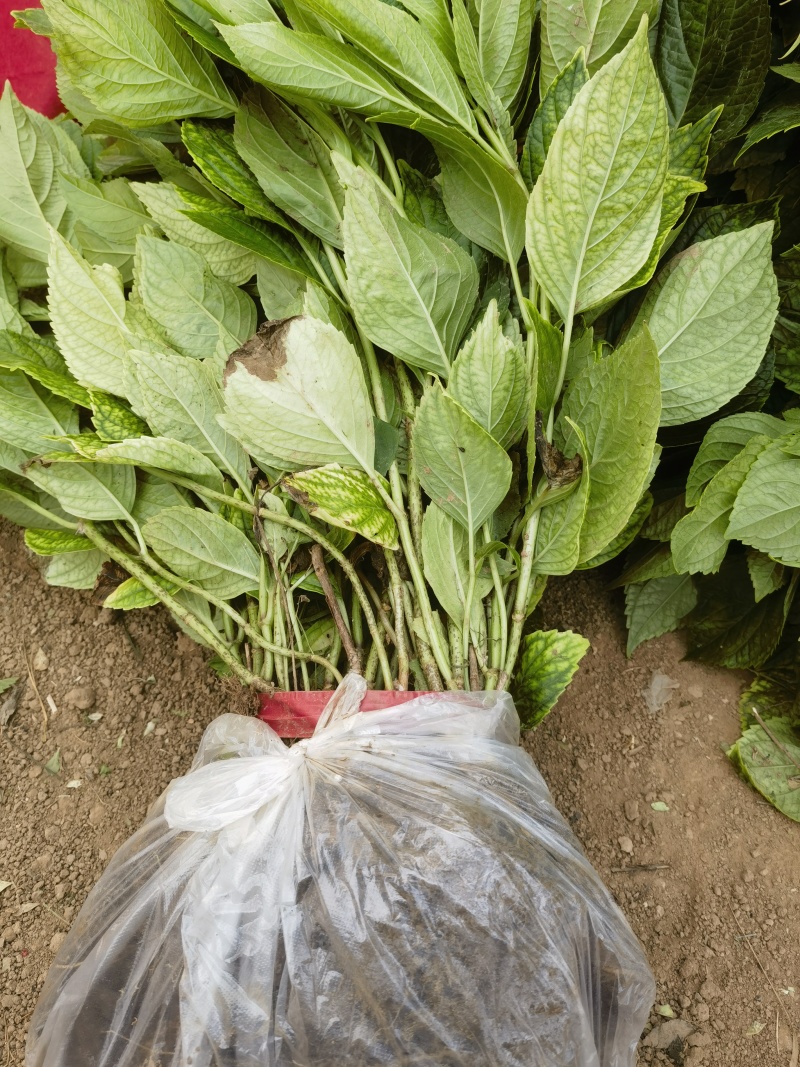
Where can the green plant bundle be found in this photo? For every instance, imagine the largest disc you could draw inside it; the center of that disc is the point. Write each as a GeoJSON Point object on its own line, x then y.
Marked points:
{"type": "Point", "coordinates": [362, 319]}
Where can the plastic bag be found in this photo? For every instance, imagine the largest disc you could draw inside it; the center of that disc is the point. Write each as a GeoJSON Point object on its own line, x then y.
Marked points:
{"type": "Point", "coordinates": [396, 890]}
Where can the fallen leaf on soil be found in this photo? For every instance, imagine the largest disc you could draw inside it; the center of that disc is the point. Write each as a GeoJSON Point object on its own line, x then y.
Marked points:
{"type": "Point", "coordinates": [6, 683]}
{"type": "Point", "coordinates": [74, 784]}
{"type": "Point", "coordinates": [4, 886]}
{"type": "Point", "coordinates": [659, 805]}
{"type": "Point", "coordinates": [41, 661]}
{"type": "Point", "coordinates": [666, 1011]}
{"type": "Point", "coordinates": [25, 908]}
{"type": "Point", "coordinates": [753, 1029]}
{"type": "Point", "coordinates": [53, 765]}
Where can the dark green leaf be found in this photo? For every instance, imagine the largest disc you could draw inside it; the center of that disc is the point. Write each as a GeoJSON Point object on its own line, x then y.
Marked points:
{"type": "Point", "coordinates": [548, 114]}
{"type": "Point", "coordinates": [657, 607]}
{"type": "Point", "coordinates": [769, 758]}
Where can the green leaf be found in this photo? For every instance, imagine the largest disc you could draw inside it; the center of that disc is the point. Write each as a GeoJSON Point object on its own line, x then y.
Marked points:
{"type": "Point", "coordinates": [616, 404]}
{"type": "Point", "coordinates": [765, 574]}
{"type": "Point", "coordinates": [711, 311]}
{"type": "Point", "coordinates": [654, 562]}
{"type": "Point", "coordinates": [788, 70]}
{"type": "Point", "coordinates": [461, 468]}
{"type": "Point", "coordinates": [296, 393]}
{"type": "Point", "coordinates": [504, 41]}
{"type": "Point", "coordinates": [131, 594]}
{"type": "Point", "coordinates": [344, 497]}
{"type": "Point", "coordinates": [53, 542]}
{"type": "Point", "coordinates": [554, 106]}
{"type": "Point", "coordinates": [165, 454]}
{"type": "Point", "coordinates": [20, 504]}
{"type": "Point", "coordinates": [267, 241]}
{"type": "Point", "coordinates": [490, 380]}
{"type": "Point", "coordinates": [704, 223]}
{"type": "Point", "coordinates": [6, 683]}
{"type": "Point", "coordinates": [483, 198]}
{"type": "Point", "coordinates": [197, 311]}
{"type": "Point", "coordinates": [782, 115]}
{"type": "Point", "coordinates": [775, 692]}
{"type": "Point", "coordinates": [396, 41]}
{"type": "Point", "coordinates": [625, 537]}
{"type": "Point", "coordinates": [309, 66]}
{"type": "Point", "coordinates": [213, 149]}
{"type": "Point", "coordinates": [42, 363]}
{"type": "Point", "coordinates": [594, 212]}
{"type": "Point", "coordinates": [292, 164]}
{"type": "Point", "coordinates": [468, 57]}
{"type": "Point", "coordinates": [53, 765]}
{"type": "Point", "coordinates": [181, 399]}
{"type": "Point", "coordinates": [75, 570]}
{"type": "Point", "coordinates": [204, 549]}
{"type": "Point", "coordinates": [600, 27]}
{"type": "Point", "coordinates": [412, 291]}
{"type": "Point", "coordinates": [656, 607]}
{"type": "Point", "coordinates": [771, 763]}
{"type": "Point", "coordinates": [558, 536]}
{"type": "Point", "coordinates": [688, 146]}
{"type": "Point", "coordinates": [766, 514]}
{"type": "Point", "coordinates": [445, 559]}
{"type": "Point", "coordinates": [728, 628]}
{"type": "Point", "coordinates": [238, 12]}
{"type": "Point", "coordinates": [724, 440]}
{"type": "Point", "coordinates": [227, 260]}
{"type": "Point", "coordinates": [33, 152]}
{"type": "Point", "coordinates": [548, 662]}
{"type": "Point", "coordinates": [88, 490]}
{"type": "Point", "coordinates": [700, 540]}
{"type": "Point", "coordinates": [154, 494]}
{"type": "Point", "coordinates": [107, 220]}
{"type": "Point", "coordinates": [134, 64]}
{"type": "Point", "coordinates": [203, 32]}
{"type": "Point", "coordinates": [113, 419]}
{"type": "Point", "coordinates": [712, 52]}
{"type": "Point", "coordinates": [786, 336]}
{"type": "Point", "coordinates": [281, 292]}
{"type": "Point", "coordinates": [29, 415]}
{"type": "Point", "coordinates": [87, 312]}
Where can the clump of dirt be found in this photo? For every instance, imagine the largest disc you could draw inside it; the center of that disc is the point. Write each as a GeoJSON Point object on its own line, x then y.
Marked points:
{"type": "Point", "coordinates": [702, 866]}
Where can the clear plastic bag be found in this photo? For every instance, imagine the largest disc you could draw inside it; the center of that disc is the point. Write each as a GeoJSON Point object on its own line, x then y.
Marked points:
{"type": "Point", "coordinates": [396, 890]}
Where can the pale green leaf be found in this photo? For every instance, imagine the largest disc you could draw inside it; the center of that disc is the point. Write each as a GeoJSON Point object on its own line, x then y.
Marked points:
{"type": "Point", "coordinates": [766, 575]}
{"type": "Point", "coordinates": [766, 514]}
{"type": "Point", "coordinates": [700, 540]}
{"type": "Point", "coordinates": [280, 291]}
{"type": "Point", "coordinates": [396, 41]}
{"type": "Point", "coordinates": [594, 213]}
{"type": "Point", "coordinates": [688, 146]}
{"type": "Point", "coordinates": [238, 12]}
{"type": "Point", "coordinates": [131, 594]}
{"type": "Point", "coordinates": [292, 164]}
{"type": "Point", "coordinates": [310, 66]}
{"type": "Point", "coordinates": [29, 414]}
{"type": "Point", "coordinates": [469, 59]}
{"type": "Point", "coordinates": [344, 497]}
{"type": "Point", "coordinates": [227, 260]}
{"type": "Point", "coordinates": [21, 504]}
{"type": "Point", "coordinates": [616, 404]}
{"type": "Point", "coordinates": [770, 761]}
{"type": "Point", "coordinates": [165, 454]}
{"type": "Point", "coordinates": [11, 318]}
{"type": "Point", "coordinates": [204, 549]}
{"type": "Point", "coordinates": [489, 379]}
{"type": "Point", "coordinates": [657, 607]}
{"type": "Point", "coordinates": [296, 393]}
{"type": "Point", "coordinates": [54, 542]}
{"type": "Point", "coordinates": [87, 312]}
{"type": "Point", "coordinates": [74, 570]}
{"type": "Point", "coordinates": [445, 558]}
{"type": "Point", "coordinates": [32, 155]}
{"type": "Point", "coordinates": [504, 41]}
{"type": "Point", "coordinates": [133, 63]}
{"type": "Point", "coordinates": [711, 311]}
{"type": "Point", "coordinates": [548, 661]}
{"type": "Point", "coordinates": [601, 27]}
{"type": "Point", "coordinates": [42, 363]}
{"type": "Point", "coordinates": [552, 109]}
{"type": "Point", "coordinates": [197, 311]}
{"type": "Point", "coordinates": [107, 220]}
{"type": "Point", "coordinates": [181, 399]}
{"type": "Point", "coordinates": [154, 494]}
{"type": "Point", "coordinates": [412, 291]}
{"type": "Point", "coordinates": [88, 490]}
{"type": "Point", "coordinates": [625, 537]}
{"type": "Point", "coordinates": [434, 17]}
{"type": "Point", "coordinates": [461, 468]}
{"type": "Point", "coordinates": [482, 196]}
{"type": "Point", "coordinates": [724, 440]}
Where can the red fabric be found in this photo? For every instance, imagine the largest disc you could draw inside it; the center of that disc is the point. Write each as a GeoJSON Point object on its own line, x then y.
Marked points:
{"type": "Point", "coordinates": [296, 714]}
{"type": "Point", "coordinates": [28, 62]}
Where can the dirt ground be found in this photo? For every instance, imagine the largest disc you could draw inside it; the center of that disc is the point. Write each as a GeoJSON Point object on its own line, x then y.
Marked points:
{"type": "Point", "coordinates": [710, 885]}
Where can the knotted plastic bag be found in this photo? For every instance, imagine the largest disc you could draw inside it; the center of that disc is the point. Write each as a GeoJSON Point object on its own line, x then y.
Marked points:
{"type": "Point", "coordinates": [396, 890]}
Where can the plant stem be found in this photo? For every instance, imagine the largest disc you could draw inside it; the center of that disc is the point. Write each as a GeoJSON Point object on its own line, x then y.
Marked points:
{"type": "Point", "coordinates": [424, 652]}
{"type": "Point", "coordinates": [396, 588]}
{"type": "Point", "coordinates": [186, 617]}
{"type": "Point", "coordinates": [321, 571]}
{"type": "Point", "coordinates": [388, 162]}
{"type": "Point", "coordinates": [499, 617]}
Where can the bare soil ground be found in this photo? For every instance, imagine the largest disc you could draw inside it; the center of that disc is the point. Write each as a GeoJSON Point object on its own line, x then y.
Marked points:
{"type": "Point", "coordinates": [711, 885]}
